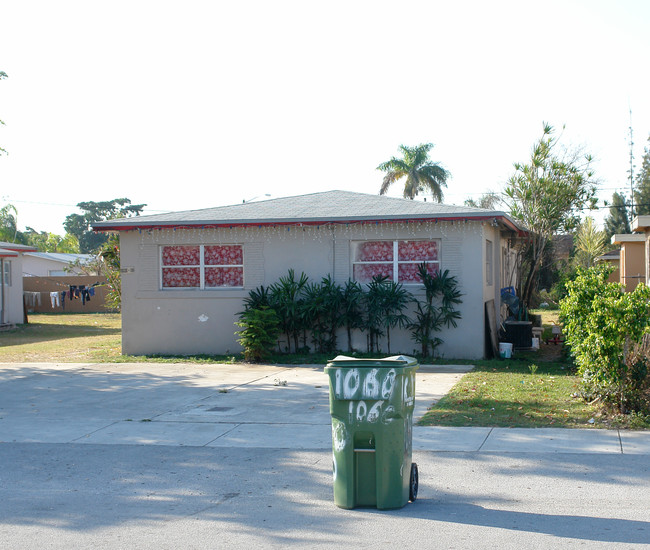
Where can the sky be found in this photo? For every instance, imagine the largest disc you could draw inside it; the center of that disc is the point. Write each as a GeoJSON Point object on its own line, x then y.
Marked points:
{"type": "Point", "coordinates": [195, 103]}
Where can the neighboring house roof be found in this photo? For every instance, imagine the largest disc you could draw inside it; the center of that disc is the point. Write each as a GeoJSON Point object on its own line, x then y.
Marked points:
{"type": "Point", "coordinates": [641, 223]}
{"type": "Point", "coordinates": [620, 238]}
{"type": "Point", "coordinates": [62, 257]}
{"type": "Point", "coordinates": [45, 264]}
{"type": "Point", "coordinates": [312, 209]}
{"type": "Point", "coordinates": [13, 247]}
{"type": "Point", "coordinates": [4, 253]}
{"type": "Point", "coordinates": [610, 256]}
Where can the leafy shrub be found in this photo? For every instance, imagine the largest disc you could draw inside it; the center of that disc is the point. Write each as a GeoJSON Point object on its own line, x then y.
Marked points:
{"type": "Point", "coordinates": [109, 255]}
{"type": "Point", "coordinates": [321, 308]}
{"type": "Point", "coordinates": [605, 327]}
{"type": "Point", "coordinates": [303, 308]}
{"type": "Point", "coordinates": [286, 299]}
{"type": "Point", "coordinates": [352, 308]}
{"type": "Point", "coordinates": [437, 310]}
{"type": "Point", "coordinates": [261, 327]}
{"type": "Point", "coordinates": [385, 302]}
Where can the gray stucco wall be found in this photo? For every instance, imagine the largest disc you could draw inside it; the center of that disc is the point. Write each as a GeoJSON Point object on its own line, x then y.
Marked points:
{"type": "Point", "coordinates": [14, 293]}
{"type": "Point", "coordinates": [159, 321]}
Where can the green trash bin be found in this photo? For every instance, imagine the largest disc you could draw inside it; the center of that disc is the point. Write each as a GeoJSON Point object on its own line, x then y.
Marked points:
{"type": "Point", "coordinates": [371, 404]}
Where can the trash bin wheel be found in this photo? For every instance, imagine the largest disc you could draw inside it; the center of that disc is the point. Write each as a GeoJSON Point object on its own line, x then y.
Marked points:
{"type": "Point", "coordinates": [413, 487]}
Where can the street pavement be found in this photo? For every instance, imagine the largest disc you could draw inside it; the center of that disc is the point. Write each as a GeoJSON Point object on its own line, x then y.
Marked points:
{"type": "Point", "coordinates": [162, 455]}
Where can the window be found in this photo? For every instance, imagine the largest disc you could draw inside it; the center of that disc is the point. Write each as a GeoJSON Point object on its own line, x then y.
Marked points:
{"type": "Point", "coordinates": [7, 272]}
{"type": "Point", "coordinates": [489, 255]}
{"type": "Point", "coordinates": [505, 268]}
{"type": "Point", "coordinates": [202, 266]}
{"type": "Point", "coordinates": [397, 260]}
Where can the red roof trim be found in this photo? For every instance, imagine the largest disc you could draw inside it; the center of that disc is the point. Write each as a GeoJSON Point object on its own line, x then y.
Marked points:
{"type": "Point", "coordinates": [22, 248]}
{"type": "Point", "coordinates": [121, 227]}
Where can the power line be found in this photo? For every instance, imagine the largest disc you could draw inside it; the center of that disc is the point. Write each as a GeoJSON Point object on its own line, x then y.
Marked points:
{"type": "Point", "coordinates": [10, 200]}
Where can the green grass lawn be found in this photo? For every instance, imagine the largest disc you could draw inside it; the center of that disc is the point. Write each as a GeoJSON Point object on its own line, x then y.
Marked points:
{"type": "Point", "coordinates": [534, 389]}
{"type": "Point", "coordinates": [515, 393]}
{"type": "Point", "coordinates": [64, 338]}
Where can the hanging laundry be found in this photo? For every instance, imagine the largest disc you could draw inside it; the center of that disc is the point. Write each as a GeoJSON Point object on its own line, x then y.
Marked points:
{"type": "Point", "coordinates": [63, 295]}
{"type": "Point", "coordinates": [54, 299]}
{"type": "Point", "coordinates": [84, 294]}
{"type": "Point", "coordinates": [32, 298]}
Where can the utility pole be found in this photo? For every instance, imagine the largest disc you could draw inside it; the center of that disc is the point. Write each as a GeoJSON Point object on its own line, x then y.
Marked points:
{"type": "Point", "coordinates": [631, 170]}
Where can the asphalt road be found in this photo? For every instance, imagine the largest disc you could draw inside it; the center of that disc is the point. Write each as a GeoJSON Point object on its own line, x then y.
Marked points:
{"type": "Point", "coordinates": [95, 456]}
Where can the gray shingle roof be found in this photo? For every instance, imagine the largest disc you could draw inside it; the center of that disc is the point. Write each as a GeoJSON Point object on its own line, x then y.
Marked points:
{"type": "Point", "coordinates": [62, 257]}
{"type": "Point", "coordinates": [328, 206]}
{"type": "Point", "coordinates": [610, 255]}
{"type": "Point", "coordinates": [14, 247]}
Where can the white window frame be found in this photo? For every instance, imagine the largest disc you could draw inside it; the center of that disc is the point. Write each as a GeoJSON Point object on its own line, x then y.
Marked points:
{"type": "Point", "coordinates": [6, 276]}
{"type": "Point", "coordinates": [201, 265]}
{"type": "Point", "coordinates": [489, 262]}
{"type": "Point", "coordinates": [395, 261]}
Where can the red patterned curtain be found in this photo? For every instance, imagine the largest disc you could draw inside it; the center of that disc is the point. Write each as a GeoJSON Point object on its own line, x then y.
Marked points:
{"type": "Point", "coordinates": [224, 255]}
{"type": "Point", "coordinates": [374, 251]}
{"type": "Point", "coordinates": [372, 258]}
{"type": "Point", "coordinates": [181, 266]}
{"type": "Point", "coordinates": [421, 251]}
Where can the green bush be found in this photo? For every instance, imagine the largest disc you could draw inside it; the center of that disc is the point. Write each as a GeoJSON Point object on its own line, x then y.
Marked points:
{"type": "Point", "coordinates": [304, 309]}
{"type": "Point", "coordinates": [286, 298]}
{"type": "Point", "coordinates": [604, 327]}
{"type": "Point", "coordinates": [437, 310]}
{"type": "Point", "coordinates": [261, 327]}
{"type": "Point", "coordinates": [322, 312]}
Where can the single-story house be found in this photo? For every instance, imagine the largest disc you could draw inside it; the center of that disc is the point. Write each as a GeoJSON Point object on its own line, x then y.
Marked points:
{"type": "Point", "coordinates": [185, 274]}
{"type": "Point", "coordinates": [631, 260]}
{"type": "Point", "coordinates": [54, 264]}
{"type": "Point", "coordinates": [11, 284]}
{"type": "Point", "coordinates": [641, 224]}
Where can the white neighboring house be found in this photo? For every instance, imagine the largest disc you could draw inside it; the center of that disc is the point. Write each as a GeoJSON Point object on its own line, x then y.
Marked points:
{"type": "Point", "coordinates": [11, 287]}
{"type": "Point", "coordinates": [53, 264]}
{"type": "Point", "coordinates": [185, 274]}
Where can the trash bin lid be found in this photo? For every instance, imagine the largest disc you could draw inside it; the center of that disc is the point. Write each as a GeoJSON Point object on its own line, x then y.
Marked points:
{"type": "Point", "coordinates": [393, 361]}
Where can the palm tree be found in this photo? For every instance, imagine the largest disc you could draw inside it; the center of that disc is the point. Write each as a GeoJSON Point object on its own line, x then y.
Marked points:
{"type": "Point", "coordinates": [421, 173]}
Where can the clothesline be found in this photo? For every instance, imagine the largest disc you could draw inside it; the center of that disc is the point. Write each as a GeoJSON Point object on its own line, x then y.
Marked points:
{"type": "Point", "coordinates": [57, 283]}
{"type": "Point", "coordinates": [58, 298]}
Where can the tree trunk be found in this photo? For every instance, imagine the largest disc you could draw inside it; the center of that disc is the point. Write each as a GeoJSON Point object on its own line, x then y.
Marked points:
{"type": "Point", "coordinates": [388, 338]}
{"type": "Point", "coordinates": [537, 255]}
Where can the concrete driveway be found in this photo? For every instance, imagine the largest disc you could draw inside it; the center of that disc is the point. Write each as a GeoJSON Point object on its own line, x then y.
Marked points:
{"type": "Point", "coordinates": [184, 456]}
{"type": "Point", "coordinates": [180, 404]}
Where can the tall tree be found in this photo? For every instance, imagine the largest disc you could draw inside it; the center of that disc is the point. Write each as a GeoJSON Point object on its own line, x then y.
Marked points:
{"type": "Point", "coordinates": [618, 219]}
{"type": "Point", "coordinates": [79, 224]}
{"type": "Point", "coordinates": [642, 192]}
{"type": "Point", "coordinates": [590, 243]}
{"type": "Point", "coordinates": [420, 173]}
{"type": "Point", "coordinates": [487, 201]}
{"type": "Point", "coordinates": [546, 195]}
{"type": "Point", "coordinates": [8, 223]}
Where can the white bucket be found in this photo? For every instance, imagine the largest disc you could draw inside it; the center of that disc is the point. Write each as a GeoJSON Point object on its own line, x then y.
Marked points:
{"type": "Point", "coordinates": [535, 343]}
{"type": "Point", "coordinates": [505, 350]}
